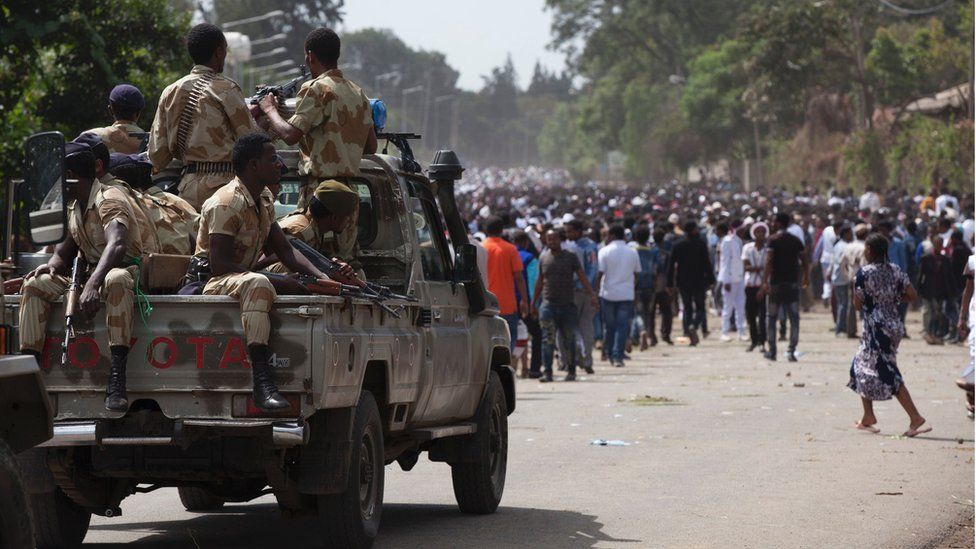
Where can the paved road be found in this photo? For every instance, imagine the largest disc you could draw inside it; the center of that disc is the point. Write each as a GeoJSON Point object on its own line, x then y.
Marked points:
{"type": "Point", "coordinates": [749, 454]}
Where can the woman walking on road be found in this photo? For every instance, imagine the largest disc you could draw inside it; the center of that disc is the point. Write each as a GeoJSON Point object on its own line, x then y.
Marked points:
{"type": "Point", "coordinates": [879, 287]}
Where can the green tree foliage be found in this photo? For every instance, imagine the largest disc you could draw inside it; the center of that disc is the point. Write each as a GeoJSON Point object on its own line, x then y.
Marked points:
{"type": "Point", "coordinates": [712, 100]}
{"type": "Point", "coordinates": [60, 58]}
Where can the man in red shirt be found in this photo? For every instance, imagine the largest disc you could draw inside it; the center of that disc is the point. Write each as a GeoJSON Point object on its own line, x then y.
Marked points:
{"type": "Point", "coordinates": [504, 275]}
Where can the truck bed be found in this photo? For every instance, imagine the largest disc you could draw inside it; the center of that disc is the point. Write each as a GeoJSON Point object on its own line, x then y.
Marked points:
{"type": "Point", "coordinates": [190, 361]}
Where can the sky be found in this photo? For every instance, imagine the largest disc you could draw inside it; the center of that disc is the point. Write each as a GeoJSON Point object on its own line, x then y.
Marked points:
{"type": "Point", "coordinates": [475, 35]}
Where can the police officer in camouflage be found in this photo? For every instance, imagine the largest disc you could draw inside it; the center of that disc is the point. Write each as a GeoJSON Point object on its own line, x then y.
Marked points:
{"type": "Point", "coordinates": [105, 228]}
{"type": "Point", "coordinates": [332, 124]}
{"type": "Point", "coordinates": [199, 118]}
{"type": "Point", "coordinates": [237, 225]}
{"type": "Point", "coordinates": [125, 103]}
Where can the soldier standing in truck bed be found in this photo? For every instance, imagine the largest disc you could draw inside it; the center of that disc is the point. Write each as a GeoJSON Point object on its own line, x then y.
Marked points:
{"type": "Point", "coordinates": [105, 228]}
{"type": "Point", "coordinates": [198, 119]}
{"type": "Point", "coordinates": [333, 125]}
{"type": "Point", "coordinates": [125, 103]}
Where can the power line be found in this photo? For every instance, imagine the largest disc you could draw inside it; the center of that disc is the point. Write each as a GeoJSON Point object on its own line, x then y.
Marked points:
{"type": "Point", "coordinates": [914, 11]}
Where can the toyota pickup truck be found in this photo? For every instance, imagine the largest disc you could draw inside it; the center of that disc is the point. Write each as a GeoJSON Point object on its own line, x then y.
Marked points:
{"type": "Point", "coordinates": [368, 385]}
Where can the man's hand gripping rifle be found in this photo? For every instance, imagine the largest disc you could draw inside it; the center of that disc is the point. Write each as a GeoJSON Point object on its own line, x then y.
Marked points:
{"type": "Point", "coordinates": [282, 91]}
{"type": "Point", "coordinates": [356, 288]}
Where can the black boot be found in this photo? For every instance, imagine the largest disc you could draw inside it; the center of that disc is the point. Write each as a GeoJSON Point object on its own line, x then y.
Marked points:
{"type": "Point", "coordinates": [266, 395]}
{"type": "Point", "coordinates": [115, 400]}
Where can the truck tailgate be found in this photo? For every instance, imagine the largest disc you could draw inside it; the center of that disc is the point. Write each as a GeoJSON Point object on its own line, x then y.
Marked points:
{"type": "Point", "coordinates": [189, 357]}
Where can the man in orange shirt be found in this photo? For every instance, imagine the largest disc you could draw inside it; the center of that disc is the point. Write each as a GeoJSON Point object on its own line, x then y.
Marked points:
{"type": "Point", "coordinates": [504, 275]}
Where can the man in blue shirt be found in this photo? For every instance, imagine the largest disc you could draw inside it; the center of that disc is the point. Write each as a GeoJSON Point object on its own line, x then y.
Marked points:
{"type": "Point", "coordinates": [585, 309]}
{"type": "Point", "coordinates": [897, 254]}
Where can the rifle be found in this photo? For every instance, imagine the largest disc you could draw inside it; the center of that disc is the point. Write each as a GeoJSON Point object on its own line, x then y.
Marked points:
{"type": "Point", "coordinates": [282, 91]}
{"type": "Point", "coordinates": [71, 306]}
{"type": "Point", "coordinates": [376, 293]}
{"type": "Point", "coordinates": [331, 287]}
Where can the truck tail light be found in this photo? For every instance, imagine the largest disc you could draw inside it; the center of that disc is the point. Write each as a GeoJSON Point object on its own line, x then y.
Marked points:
{"type": "Point", "coordinates": [244, 407]}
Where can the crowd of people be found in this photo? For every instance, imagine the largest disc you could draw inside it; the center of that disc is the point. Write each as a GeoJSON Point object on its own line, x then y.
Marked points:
{"type": "Point", "coordinates": [579, 266]}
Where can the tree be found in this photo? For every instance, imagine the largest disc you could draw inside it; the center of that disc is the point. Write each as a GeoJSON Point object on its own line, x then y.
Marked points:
{"type": "Point", "coordinates": [60, 58]}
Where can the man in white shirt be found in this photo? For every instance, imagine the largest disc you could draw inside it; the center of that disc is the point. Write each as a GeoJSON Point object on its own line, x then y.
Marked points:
{"type": "Point", "coordinates": [754, 262]}
{"type": "Point", "coordinates": [945, 200]}
{"type": "Point", "coordinates": [731, 276]}
{"type": "Point", "coordinates": [840, 282]}
{"type": "Point", "coordinates": [619, 265]}
{"type": "Point", "coordinates": [826, 247]}
{"type": "Point", "coordinates": [870, 200]}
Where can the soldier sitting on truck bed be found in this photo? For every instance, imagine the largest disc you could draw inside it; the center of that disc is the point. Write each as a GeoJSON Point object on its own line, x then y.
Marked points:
{"type": "Point", "coordinates": [328, 213]}
{"type": "Point", "coordinates": [169, 221]}
{"type": "Point", "coordinates": [237, 224]}
{"type": "Point", "coordinates": [333, 125]}
{"type": "Point", "coordinates": [105, 228]}
{"type": "Point", "coordinates": [125, 102]}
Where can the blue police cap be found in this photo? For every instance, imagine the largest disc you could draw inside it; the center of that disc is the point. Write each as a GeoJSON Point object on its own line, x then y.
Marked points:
{"type": "Point", "coordinates": [118, 159]}
{"type": "Point", "coordinates": [127, 95]}
{"type": "Point", "coordinates": [73, 147]}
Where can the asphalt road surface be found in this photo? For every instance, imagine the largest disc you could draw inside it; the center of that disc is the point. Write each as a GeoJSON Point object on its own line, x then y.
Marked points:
{"type": "Point", "coordinates": [743, 453]}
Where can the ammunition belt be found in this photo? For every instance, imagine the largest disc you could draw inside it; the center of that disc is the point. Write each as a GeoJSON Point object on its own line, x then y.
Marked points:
{"type": "Point", "coordinates": [189, 109]}
{"type": "Point", "coordinates": [207, 167]}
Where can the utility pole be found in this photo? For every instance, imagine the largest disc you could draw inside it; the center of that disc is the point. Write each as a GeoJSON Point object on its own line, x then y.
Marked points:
{"type": "Point", "coordinates": [403, 104]}
{"type": "Point", "coordinates": [426, 104]}
{"type": "Point", "coordinates": [759, 159]}
{"type": "Point", "coordinates": [437, 119]}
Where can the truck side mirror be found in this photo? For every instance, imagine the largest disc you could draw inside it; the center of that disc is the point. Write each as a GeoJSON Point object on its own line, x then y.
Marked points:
{"type": "Point", "coordinates": [466, 265]}
{"type": "Point", "coordinates": [42, 191]}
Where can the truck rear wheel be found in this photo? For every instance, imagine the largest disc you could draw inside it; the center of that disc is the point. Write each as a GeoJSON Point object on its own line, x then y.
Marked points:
{"type": "Point", "coordinates": [478, 485]}
{"type": "Point", "coordinates": [16, 531]}
{"type": "Point", "coordinates": [58, 521]}
{"type": "Point", "coordinates": [195, 498]}
{"type": "Point", "coordinates": [351, 519]}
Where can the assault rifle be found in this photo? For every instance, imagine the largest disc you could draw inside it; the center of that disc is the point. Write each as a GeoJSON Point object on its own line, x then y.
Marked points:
{"type": "Point", "coordinates": [282, 91]}
{"type": "Point", "coordinates": [359, 288]}
{"type": "Point", "coordinates": [71, 306]}
{"type": "Point", "coordinates": [331, 287]}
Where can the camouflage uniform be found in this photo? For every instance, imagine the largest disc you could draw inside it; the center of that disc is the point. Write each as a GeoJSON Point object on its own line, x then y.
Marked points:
{"type": "Point", "coordinates": [334, 115]}
{"type": "Point", "coordinates": [118, 139]}
{"type": "Point", "coordinates": [219, 119]}
{"type": "Point", "coordinates": [106, 203]}
{"type": "Point", "coordinates": [302, 225]}
{"type": "Point", "coordinates": [170, 220]}
{"type": "Point", "coordinates": [231, 211]}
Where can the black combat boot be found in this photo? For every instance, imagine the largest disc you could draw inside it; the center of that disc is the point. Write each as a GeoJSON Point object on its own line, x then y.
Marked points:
{"type": "Point", "coordinates": [115, 400]}
{"type": "Point", "coordinates": [266, 395]}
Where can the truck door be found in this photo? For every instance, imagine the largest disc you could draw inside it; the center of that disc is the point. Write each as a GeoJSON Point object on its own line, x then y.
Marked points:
{"type": "Point", "coordinates": [446, 330]}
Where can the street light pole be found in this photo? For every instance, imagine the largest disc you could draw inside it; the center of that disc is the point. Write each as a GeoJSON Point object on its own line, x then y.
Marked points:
{"type": "Point", "coordinates": [270, 15]}
{"type": "Point", "coordinates": [403, 104]}
{"type": "Point", "coordinates": [437, 119]}
{"type": "Point", "coordinates": [385, 77]}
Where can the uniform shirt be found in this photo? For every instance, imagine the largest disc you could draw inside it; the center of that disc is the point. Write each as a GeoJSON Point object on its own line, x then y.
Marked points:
{"type": "Point", "coordinates": [106, 203]}
{"type": "Point", "coordinates": [334, 115]}
{"type": "Point", "coordinates": [731, 268]}
{"type": "Point", "coordinates": [117, 137]}
{"type": "Point", "coordinates": [231, 211]}
{"type": "Point", "coordinates": [618, 263]}
{"type": "Point", "coordinates": [302, 226]}
{"type": "Point", "coordinates": [219, 119]}
{"type": "Point", "coordinates": [168, 220]}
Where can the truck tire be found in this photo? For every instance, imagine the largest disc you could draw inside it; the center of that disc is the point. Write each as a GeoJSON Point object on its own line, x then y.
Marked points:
{"type": "Point", "coordinates": [478, 485]}
{"type": "Point", "coordinates": [194, 498]}
{"type": "Point", "coordinates": [58, 521]}
{"type": "Point", "coordinates": [16, 531]}
{"type": "Point", "coordinates": [351, 518]}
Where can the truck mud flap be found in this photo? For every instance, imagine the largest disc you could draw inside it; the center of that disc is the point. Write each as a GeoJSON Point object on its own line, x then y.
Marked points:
{"type": "Point", "coordinates": [324, 465]}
